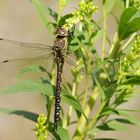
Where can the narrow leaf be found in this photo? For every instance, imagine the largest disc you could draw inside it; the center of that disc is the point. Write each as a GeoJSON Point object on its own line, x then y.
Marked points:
{"type": "Point", "coordinates": [112, 125]}
{"type": "Point", "coordinates": [125, 121]}
{"type": "Point", "coordinates": [67, 98]}
{"type": "Point", "coordinates": [99, 86]}
{"type": "Point", "coordinates": [108, 111]}
{"type": "Point", "coordinates": [72, 101]}
{"type": "Point", "coordinates": [63, 133]}
{"type": "Point", "coordinates": [132, 80]}
{"type": "Point", "coordinates": [126, 114]}
{"type": "Point", "coordinates": [32, 68]}
{"type": "Point", "coordinates": [30, 87]}
{"type": "Point", "coordinates": [25, 114]}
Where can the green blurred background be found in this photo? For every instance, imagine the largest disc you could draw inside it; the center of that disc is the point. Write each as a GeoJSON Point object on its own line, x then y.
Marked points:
{"type": "Point", "coordinates": [20, 21]}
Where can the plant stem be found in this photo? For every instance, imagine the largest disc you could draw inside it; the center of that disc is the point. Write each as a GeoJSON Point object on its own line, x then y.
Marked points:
{"type": "Point", "coordinates": [93, 121]}
{"type": "Point", "coordinates": [87, 84]}
{"type": "Point", "coordinates": [104, 32]}
{"type": "Point", "coordinates": [127, 3]}
{"type": "Point", "coordinates": [88, 71]}
{"type": "Point", "coordinates": [115, 49]}
{"type": "Point", "coordinates": [129, 41]}
{"type": "Point", "coordinates": [82, 121]}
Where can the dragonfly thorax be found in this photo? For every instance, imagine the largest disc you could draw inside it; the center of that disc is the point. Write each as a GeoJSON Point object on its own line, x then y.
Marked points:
{"type": "Point", "coordinates": [60, 46]}
{"type": "Point", "coordinates": [59, 43]}
{"type": "Point", "coordinates": [61, 32]}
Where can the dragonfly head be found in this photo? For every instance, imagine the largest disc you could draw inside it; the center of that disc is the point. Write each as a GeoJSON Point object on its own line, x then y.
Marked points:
{"type": "Point", "coordinates": [61, 32]}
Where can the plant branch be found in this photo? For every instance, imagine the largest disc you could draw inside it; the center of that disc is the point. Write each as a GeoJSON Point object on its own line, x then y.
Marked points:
{"type": "Point", "coordinates": [127, 3]}
{"type": "Point", "coordinates": [87, 110]}
{"type": "Point", "coordinates": [115, 49]}
{"type": "Point", "coordinates": [93, 121]}
{"type": "Point", "coordinates": [129, 41]}
{"type": "Point", "coordinates": [104, 32]}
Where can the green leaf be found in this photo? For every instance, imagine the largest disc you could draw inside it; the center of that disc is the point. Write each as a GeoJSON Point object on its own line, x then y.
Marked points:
{"type": "Point", "coordinates": [43, 11]}
{"type": "Point", "coordinates": [93, 131]}
{"type": "Point", "coordinates": [99, 86]}
{"type": "Point", "coordinates": [125, 121]}
{"type": "Point", "coordinates": [51, 130]}
{"type": "Point", "coordinates": [131, 27]}
{"type": "Point", "coordinates": [132, 80]}
{"type": "Point", "coordinates": [96, 36]}
{"type": "Point", "coordinates": [30, 87]}
{"type": "Point", "coordinates": [124, 25]}
{"type": "Point", "coordinates": [109, 90]}
{"type": "Point", "coordinates": [126, 114]}
{"type": "Point", "coordinates": [60, 134]}
{"type": "Point", "coordinates": [67, 98]}
{"type": "Point", "coordinates": [62, 21]}
{"type": "Point", "coordinates": [25, 114]}
{"type": "Point", "coordinates": [112, 125]}
{"type": "Point", "coordinates": [109, 4]}
{"type": "Point", "coordinates": [136, 15]}
{"type": "Point", "coordinates": [63, 133]}
{"type": "Point", "coordinates": [31, 68]}
{"type": "Point", "coordinates": [108, 111]}
{"type": "Point", "coordinates": [72, 101]}
{"type": "Point", "coordinates": [74, 45]}
{"type": "Point", "coordinates": [132, 110]}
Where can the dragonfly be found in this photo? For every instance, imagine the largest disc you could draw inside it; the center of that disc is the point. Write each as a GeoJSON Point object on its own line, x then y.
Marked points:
{"type": "Point", "coordinates": [59, 51]}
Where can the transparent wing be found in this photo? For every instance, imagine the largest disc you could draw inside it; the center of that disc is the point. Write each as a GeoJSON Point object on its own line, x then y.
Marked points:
{"type": "Point", "coordinates": [11, 51]}
{"type": "Point", "coordinates": [15, 55]}
{"type": "Point", "coordinates": [74, 62]}
{"type": "Point", "coordinates": [37, 59]}
{"type": "Point", "coordinates": [28, 45]}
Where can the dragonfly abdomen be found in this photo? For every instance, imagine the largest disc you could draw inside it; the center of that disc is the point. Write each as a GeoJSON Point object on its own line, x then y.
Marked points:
{"type": "Point", "coordinates": [59, 62]}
